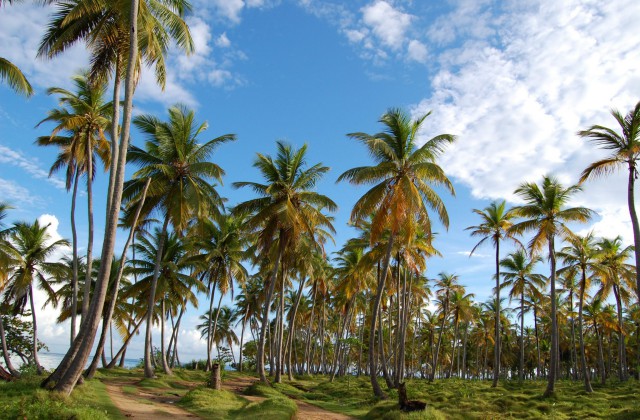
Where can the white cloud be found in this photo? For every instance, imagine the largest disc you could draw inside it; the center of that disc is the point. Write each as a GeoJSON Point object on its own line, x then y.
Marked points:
{"type": "Point", "coordinates": [30, 165]}
{"type": "Point", "coordinates": [387, 23]}
{"type": "Point", "coordinates": [517, 101]}
{"type": "Point", "coordinates": [223, 41]}
{"type": "Point", "coordinates": [417, 51]}
{"type": "Point", "coordinates": [13, 193]}
{"type": "Point", "coordinates": [474, 255]}
{"type": "Point", "coordinates": [229, 9]}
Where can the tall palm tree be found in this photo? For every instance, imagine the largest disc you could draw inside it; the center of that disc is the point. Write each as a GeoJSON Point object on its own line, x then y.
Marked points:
{"type": "Point", "coordinates": [286, 209]}
{"type": "Point", "coordinates": [580, 253]}
{"type": "Point", "coordinates": [6, 258]}
{"type": "Point", "coordinates": [624, 147]}
{"type": "Point", "coordinates": [401, 193]}
{"type": "Point", "coordinates": [446, 285]}
{"type": "Point", "coordinates": [66, 375]}
{"type": "Point", "coordinates": [85, 116]}
{"type": "Point", "coordinates": [29, 264]}
{"type": "Point", "coordinates": [496, 221]}
{"type": "Point", "coordinates": [179, 190]}
{"type": "Point", "coordinates": [616, 276]}
{"type": "Point", "coordinates": [521, 280]}
{"type": "Point", "coordinates": [224, 333]}
{"type": "Point", "coordinates": [546, 215]}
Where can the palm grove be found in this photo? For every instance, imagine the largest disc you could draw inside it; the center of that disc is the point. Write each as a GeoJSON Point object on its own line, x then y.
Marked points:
{"type": "Point", "coordinates": [368, 309]}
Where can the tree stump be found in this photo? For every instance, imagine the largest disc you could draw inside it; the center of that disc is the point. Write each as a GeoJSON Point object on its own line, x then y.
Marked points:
{"type": "Point", "coordinates": [407, 405]}
{"type": "Point", "coordinates": [216, 382]}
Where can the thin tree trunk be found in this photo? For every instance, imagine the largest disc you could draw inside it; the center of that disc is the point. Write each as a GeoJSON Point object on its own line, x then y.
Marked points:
{"type": "Point", "coordinates": [583, 359]}
{"type": "Point", "coordinates": [68, 372]}
{"type": "Point", "coordinates": [292, 323]}
{"type": "Point", "coordinates": [382, 278]}
{"type": "Point", "coordinates": [215, 325]}
{"type": "Point", "coordinates": [535, 326]}
{"type": "Point", "coordinates": [280, 335]}
{"type": "Point", "coordinates": [115, 122]}
{"type": "Point", "coordinates": [265, 316]}
{"type": "Point", "coordinates": [5, 352]}
{"type": "Point", "coordinates": [244, 324]}
{"type": "Point", "coordinates": [634, 220]}
{"type": "Point", "coordinates": [116, 286]}
{"type": "Point", "coordinates": [551, 379]}
{"type": "Point", "coordinates": [35, 332]}
{"type": "Point", "coordinates": [163, 354]}
{"type": "Point", "coordinates": [603, 373]}
{"type": "Point", "coordinates": [74, 262]}
{"type": "Point", "coordinates": [574, 356]}
{"type": "Point", "coordinates": [307, 351]}
{"type": "Point", "coordinates": [207, 366]}
{"type": "Point", "coordinates": [89, 275]}
{"type": "Point", "coordinates": [148, 367]}
{"type": "Point", "coordinates": [622, 351]}
{"type": "Point", "coordinates": [123, 349]}
{"type": "Point", "coordinates": [464, 351]}
{"type": "Point", "coordinates": [436, 354]}
{"type": "Point", "coordinates": [521, 367]}
{"type": "Point", "coordinates": [496, 359]}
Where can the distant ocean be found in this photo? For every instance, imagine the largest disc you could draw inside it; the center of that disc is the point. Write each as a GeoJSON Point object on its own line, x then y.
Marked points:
{"type": "Point", "coordinates": [51, 361]}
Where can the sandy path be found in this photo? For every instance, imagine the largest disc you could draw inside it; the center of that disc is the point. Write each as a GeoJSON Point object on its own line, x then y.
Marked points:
{"type": "Point", "coordinates": [146, 406]}
{"type": "Point", "coordinates": [306, 411]}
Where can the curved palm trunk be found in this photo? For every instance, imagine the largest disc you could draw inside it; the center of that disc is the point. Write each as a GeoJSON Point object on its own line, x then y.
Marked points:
{"type": "Point", "coordinates": [634, 221]}
{"type": "Point", "coordinates": [74, 262]}
{"type": "Point", "coordinates": [583, 359]}
{"type": "Point", "coordinates": [554, 324]}
{"type": "Point", "coordinates": [496, 360]}
{"type": "Point", "coordinates": [123, 349]}
{"type": "Point", "coordinates": [265, 317]}
{"type": "Point", "coordinates": [114, 293]}
{"type": "Point", "coordinates": [521, 367]}
{"type": "Point", "coordinates": [5, 352]}
{"type": "Point", "coordinates": [115, 120]}
{"type": "Point", "coordinates": [207, 366]}
{"type": "Point", "coordinates": [148, 367]}
{"type": "Point", "coordinates": [244, 324]}
{"type": "Point", "coordinates": [88, 275]}
{"type": "Point", "coordinates": [535, 327]}
{"type": "Point", "coordinates": [437, 352]}
{"type": "Point", "coordinates": [163, 353]}
{"type": "Point", "coordinates": [215, 327]}
{"type": "Point", "coordinates": [70, 369]}
{"type": "Point", "coordinates": [35, 332]}
{"type": "Point", "coordinates": [373, 370]}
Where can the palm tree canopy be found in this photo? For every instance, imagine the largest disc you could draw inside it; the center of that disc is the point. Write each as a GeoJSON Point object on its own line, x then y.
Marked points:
{"type": "Point", "coordinates": [545, 211]}
{"type": "Point", "coordinates": [178, 166]}
{"type": "Point", "coordinates": [14, 77]}
{"type": "Point", "coordinates": [496, 224]}
{"type": "Point", "coordinates": [401, 174]}
{"type": "Point", "coordinates": [624, 145]}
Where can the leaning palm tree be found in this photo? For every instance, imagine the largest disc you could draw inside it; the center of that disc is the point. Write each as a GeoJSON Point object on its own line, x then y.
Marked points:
{"type": "Point", "coordinates": [546, 215]}
{"type": "Point", "coordinates": [285, 210]}
{"type": "Point", "coordinates": [85, 116]}
{"type": "Point", "coordinates": [29, 264]}
{"type": "Point", "coordinates": [580, 254]}
{"type": "Point", "coordinates": [496, 221]}
{"type": "Point", "coordinates": [521, 280]}
{"type": "Point", "coordinates": [6, 252]}
{"type": "Point", "coordinates": [180, 171]}
{"type": "Point", "coordinates": [625, 151]}
{"type": "Point", "coordinates": [401, 192]}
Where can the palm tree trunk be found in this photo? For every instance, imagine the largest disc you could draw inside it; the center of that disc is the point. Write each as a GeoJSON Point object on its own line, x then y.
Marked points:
{"type": "Point", "coordinates": [123, 349]}
{"type": "Point", "coordinates": [163, 354]}
{"type": "Point", "coordinates": [74, 262]}
{"type": "Point", "coordinates": [574, 356]}
{"type": "Point", "coordinates": [634, 221]}
{"type": "Point", "coordinates": [521, 367]}
{"type": "Point", "coordinates": [453, 351]}
{"type": "Point", "coordinates": [436, 354]}
{"type": "Point", "coordinates": [89, 275]}
{"type": "Point", "coordinates": [244, 324]}
{"type": "Point", "coordinates": [215, 324]}
{"type": "Point", "coordinates": [116, 286]}
{"type": "Point", "coordinates": [535, 326]}
{"type": "Point", "coordinates": [464, 351]}
{"type": "Point", "coordinates": [115, 121]}
{"type": "Point", "coordinates": [496, 360]}
{"type": "Point", "coordinates": [5, 352]}
{"type": "Point", "coordinates": [265, 315]}
{"type": "Point", "coordinates": [622, 351]}
{"type": "Point", "coordinates": [603, 373]}
{"type": "Point", "coordinates": [280, 335]}
{"type": "Point", "coordinates": [583, 359]}
{"type": "Point", "coordinates": [68, 372]}
{"type": "Point", "coordinates": [307, 351]}
{"type": "Point", "coordinates": [292, 323]}
{"type": "Point", "coordinates": [382, 278]}
{"type": "Point", "coordinates": [551, 379]}
{"type": "Point", "coordinates": [35, 332]}
{"type": "Point", "coordinates": [148, 367]}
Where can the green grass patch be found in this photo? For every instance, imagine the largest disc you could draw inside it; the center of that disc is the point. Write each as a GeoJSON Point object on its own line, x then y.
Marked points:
{"type": "Point", "coordinates": [24, 399]}
{"type": "Point", "coordinates": [278, 408]}
{"type": "Point", "coordinates": [210, 403]}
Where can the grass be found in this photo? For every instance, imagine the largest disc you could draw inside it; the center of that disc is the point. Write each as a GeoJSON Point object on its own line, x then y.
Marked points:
{"type": "Point", "coordinates": [23, 399]}
{"type": "Point", "coordinates": [458, 399]}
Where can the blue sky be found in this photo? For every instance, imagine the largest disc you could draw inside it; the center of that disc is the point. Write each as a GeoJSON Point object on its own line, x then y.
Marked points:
{"type": "Point", "coordinates": [513, 80]}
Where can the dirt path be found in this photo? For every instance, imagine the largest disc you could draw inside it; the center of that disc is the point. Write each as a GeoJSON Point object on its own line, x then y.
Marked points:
{"type": "Point", "coordinates": [306, 411]}
{"type": "Point", "coordinates": [144, 405]}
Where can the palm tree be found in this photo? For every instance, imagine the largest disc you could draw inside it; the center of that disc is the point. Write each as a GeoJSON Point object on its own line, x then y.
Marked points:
{"type": "Point", "coordinates": [224, 333]}
{"type": "Point", "coordinates": [401, 192]}
{"type": "Point", "coordinates": [580, 254]}
{"type": "Point", "coordinates": [179, 170]}
{"type": "Point", "coordinates": [6, 252]}
{"type": "Point", "coordinates": [545, 215]}
{"type": "Point", "coordinates": [616, 275]}
{"type": "Point", "coordinates": [66, 375]}
{"type": "Point", "coordinates": [14, 77]}
{"type": "Point", "coordinates": [496, 221]}
{"type": "Point", "coordinates": [447, 285]}
{"type": "Point", "coordinates": [85, 116]}
{"type": "Point", "coordinates": [521, 279]}
{"type": "Point", "coordinates": [285, 210]}
{"type": "Point", "coordinates": [223, 248]}
{"type": "Point", "coordinates": [625, 150]}
{"type": "Point", "coordinates": [33, 246]}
